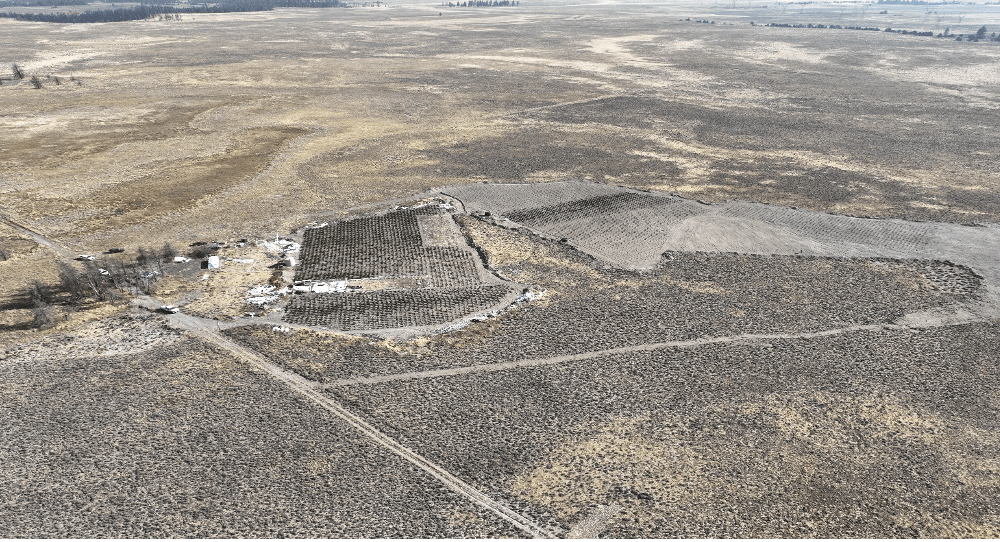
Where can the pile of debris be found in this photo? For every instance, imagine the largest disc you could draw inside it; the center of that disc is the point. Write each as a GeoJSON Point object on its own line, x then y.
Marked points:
{"type": "Point", "coordinates": [319, 287]}
{"type": "Point", "coordinates": [264, 295]}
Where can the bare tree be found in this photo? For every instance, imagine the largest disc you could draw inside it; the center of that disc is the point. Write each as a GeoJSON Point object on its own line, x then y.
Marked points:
{"type": "Point", "coordinates": [18, 72]}
{"type": "Point", "coordinates": [168, 252]}
{"type": "Point", "coordinates": [39, 293]}
{"type": "Point", "coordinates": [39, 297]}
{"type": "Point", "coordinates": [72, 282]}
{"type": "Point", "coordinates": [36, 82]}
{"type": "Point", "coordinates": [43, 315]}
{"type": "Point", "coordinates": [95, 282]}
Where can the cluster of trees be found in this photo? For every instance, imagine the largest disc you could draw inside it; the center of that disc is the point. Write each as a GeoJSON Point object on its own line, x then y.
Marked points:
{"type": "Point", "coordinates": [34, 80]}
{"type": "Point", "coordinates": [916, 2]}
{"type": "Point", "coordinates": [912, 32]}
{"type": "Point", "coordinates": [150, 11]}
{"type": "Point", "coordinates": [978, 36]}
{"type": "Point", "coordinates": [482, 4]}
{"type": "Point", "coordinates": [105, 280]}
{"type": "Point", "coordinates": [810, 25]}
{"type": "Point", "coordinates": [167, 17]}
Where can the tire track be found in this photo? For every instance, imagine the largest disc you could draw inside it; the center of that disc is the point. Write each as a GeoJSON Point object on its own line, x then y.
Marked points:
{"type": "Point", "coordinates": [38, 238]}
{"type": "Point", "coordinates": [312, 391]}
{"type": "Point", "coordinates": [648, 347]}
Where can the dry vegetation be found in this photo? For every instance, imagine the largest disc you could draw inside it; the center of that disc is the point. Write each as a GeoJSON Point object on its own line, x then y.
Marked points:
{"type": "Point", "coordinates": [173, 437]}
{"type": "Point", "coordinates": [618, 118]}
{"type": "Point", "coordinates": [833, 437]}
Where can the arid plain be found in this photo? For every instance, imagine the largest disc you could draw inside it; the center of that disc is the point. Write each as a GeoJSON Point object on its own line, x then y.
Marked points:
{"type": "Point", "coordinates": [722, 279]}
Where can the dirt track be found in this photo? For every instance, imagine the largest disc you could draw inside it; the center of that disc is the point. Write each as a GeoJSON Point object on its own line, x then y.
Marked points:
{"type": "Point", "coordinates": [199, 129]}
{"type": "Point", "coordinates": [206, 329]}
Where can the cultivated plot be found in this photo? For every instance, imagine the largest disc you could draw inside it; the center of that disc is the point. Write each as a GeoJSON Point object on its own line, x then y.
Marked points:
{"type": "Point", "coordinates": [588, 307]}
{"type": "Point", "coordinates": [414, 261]}
{"type": "Point", "coordinates": [393, 309]}
{"type": "Point", "coordinates": [630, 229]}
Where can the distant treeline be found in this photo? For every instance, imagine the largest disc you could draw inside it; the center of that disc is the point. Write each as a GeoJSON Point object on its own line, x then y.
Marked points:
{"type": "Point", "coordinates": [147, 11]}
{"type": "Point", "coordinates": [482, 4]}
{"type": "Point", "coordinates": [916, 2]}
{"type": "Point", "coordinates": [40, 3]}
{"type": "Point", "coordinates": [978, 36]}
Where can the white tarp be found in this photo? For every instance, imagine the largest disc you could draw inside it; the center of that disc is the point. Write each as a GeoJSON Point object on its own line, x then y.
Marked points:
{"type": "Point", "coordinates": [321, 287]}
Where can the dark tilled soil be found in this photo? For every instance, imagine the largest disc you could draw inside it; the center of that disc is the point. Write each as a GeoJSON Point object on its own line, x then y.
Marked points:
{"type": "Point", "coordinates": [375, 246]}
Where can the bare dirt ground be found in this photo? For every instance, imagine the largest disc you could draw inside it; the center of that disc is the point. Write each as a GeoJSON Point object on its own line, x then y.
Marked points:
{"type": "Point", "coordinates": [809, 350]}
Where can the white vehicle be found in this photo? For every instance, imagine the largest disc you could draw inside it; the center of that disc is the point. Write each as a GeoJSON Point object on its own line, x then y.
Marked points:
{"type": "Point", "coordinates": [85, 258]}
{"type": "Point", "coordinates": [170, 309]}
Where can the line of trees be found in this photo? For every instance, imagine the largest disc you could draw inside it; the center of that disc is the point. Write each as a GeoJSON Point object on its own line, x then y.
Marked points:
{"type": "Point", "coordinates": [105, 280]}
{"type": "Point", "coordinates": [482, 4]}
{"type": "Point", "coordinates": [34, 80]}
{"type": "Point", "coordinates": [41, 3]}
{"type": "Point", "coordinates": [148, 11]}
{"type": "Point", "coordinates": [916, 2]}
{"type": "Point", "coordinates": [978, 36]}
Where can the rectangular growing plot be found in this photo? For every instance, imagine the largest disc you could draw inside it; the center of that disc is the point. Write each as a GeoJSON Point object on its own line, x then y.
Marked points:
{"type": "Point", "coordinates": [383, 246]}
{"type": "Point", "coordinates": [885, 237]}
{"type": "Point", "coordinates": [506, 198]}
{"type": "Point", "coordinates": [625, 229]}
{"type": "Point", "coordinates": [446, 267]}
{"type": "Point", "coordinates": [390, 309]}
{"type": "Point", "coordinates": [359, 248]}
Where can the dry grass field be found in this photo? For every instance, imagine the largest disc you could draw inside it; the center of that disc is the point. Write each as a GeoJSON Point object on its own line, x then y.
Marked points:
{"type": "Point", "coordinates": [683, 275]}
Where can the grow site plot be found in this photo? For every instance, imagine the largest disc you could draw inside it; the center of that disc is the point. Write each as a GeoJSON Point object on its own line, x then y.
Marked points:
{"type": "Point", "coordinates": [631, 229]}
{"type": "Point", "coordinates": [376, 246]}
{"type": "Point", "coordinates": [393, 309]}
{"type": "Point", "coordinates": [429, 276]}
{"type": "Point", "coordinates": [687, 297]}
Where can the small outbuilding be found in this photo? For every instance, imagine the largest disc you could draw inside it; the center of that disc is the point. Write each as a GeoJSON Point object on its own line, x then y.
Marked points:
{"type": "Point", "coordinates": [213, 262]}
